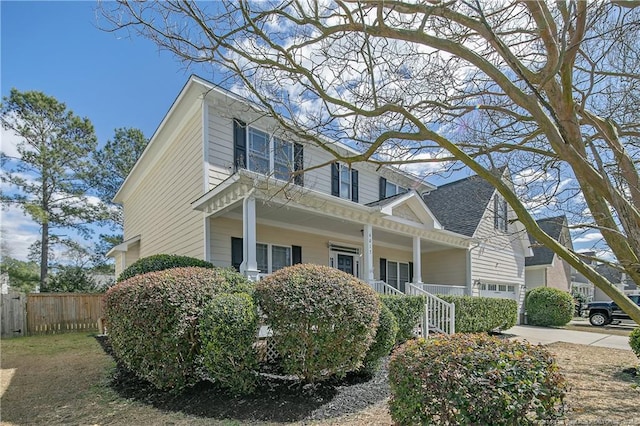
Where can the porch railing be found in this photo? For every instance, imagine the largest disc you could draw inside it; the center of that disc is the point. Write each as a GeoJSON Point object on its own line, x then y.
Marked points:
{"type": "Point", "coordinates": [383, 288]}
{"type": "Point", "coordinates": [439, 315]}
{"type": "Point", "coordinates": [447, 290]}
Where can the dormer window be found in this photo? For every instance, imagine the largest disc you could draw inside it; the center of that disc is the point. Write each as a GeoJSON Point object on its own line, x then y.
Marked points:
{"type": "Point", "coordinates": [266, 154]}
{"type": "Point", "coordinates": [500, 218]}
{"type": "Point", "coordinates": [389, 189]}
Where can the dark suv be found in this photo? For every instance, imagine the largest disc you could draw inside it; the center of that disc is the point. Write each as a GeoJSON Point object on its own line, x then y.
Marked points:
{"type": "Point", "coordinates": [603, 313]}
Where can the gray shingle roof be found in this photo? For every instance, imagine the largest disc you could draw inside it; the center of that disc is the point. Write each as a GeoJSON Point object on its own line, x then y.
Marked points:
{"type": "Point", "coordinates": [459, 205]}
{"type": "Point", "coordinates": [541, 254]}
{"type": "Point", "coordinates": [385, 201]}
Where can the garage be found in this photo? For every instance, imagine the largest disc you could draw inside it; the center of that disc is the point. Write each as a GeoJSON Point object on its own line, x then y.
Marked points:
{"type": "Point", "coordinates": [504, 291]}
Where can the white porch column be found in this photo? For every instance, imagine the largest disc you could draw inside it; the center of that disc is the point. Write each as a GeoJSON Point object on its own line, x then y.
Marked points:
{"type": "Point", "coordinates": [417, 260]}
{"type": "Point", "coordinates": [367, 234]}
{"type": "Point", "coordinates": [249, 266]}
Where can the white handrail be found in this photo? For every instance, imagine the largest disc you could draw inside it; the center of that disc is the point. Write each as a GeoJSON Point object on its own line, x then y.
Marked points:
{"type": "Point", "coordinates": [453, 290]}
{"type": "Point", "coordinates": [385, 289]}
{"type": "Point", "coordinates": [439, 315]}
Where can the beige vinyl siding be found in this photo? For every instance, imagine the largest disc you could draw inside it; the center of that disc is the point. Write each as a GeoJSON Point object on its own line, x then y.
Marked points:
{"type": "Point", "coordinates": [499, 257]}
{"type": "Point", "coordinates": [220, 147]}
{"type": "Point", "coordinates": [391, 254]}
{"type": "Point", "coordinates": [220, 153]}
{"type": "Point", "coordinates": [314, 247]}
{"type": "Point", "coordinates": [159, 209]}
{"type": "Point", "coordinates": [445, 267]}
{"type": "Point", "coordinates": [535, 278]}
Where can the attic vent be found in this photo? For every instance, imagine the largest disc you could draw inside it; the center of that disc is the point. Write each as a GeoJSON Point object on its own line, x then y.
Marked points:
{"type": "Point", "coordinates": [344, 249]}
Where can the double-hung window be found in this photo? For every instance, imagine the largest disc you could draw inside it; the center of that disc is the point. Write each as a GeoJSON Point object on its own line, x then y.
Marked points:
{"type": "Point", "coordinates": [282, 159]}
{"type": "Point", "coordinates": [344, 182]}
{"type": "Point", "coordinates": [259, 151]}
{"type": "Point", "coordinates": [263, 153]}
{"type": "Point", "coordinates": [397, 274]}
{"type": "Point", "coordinates": [271, 257]}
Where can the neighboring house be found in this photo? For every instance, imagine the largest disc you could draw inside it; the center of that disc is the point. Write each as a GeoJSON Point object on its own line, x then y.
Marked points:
{"type": "Point", "coordinates": [545, 268]}
{"type": "Point", "coordinates": [618, 278]}
{"type": "Point", "coordinates": [220, 181]}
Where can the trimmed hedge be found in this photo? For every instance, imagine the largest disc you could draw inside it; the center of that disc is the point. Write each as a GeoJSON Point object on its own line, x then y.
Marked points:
{"type": "Point", "coordinates": [474, 379]}
{"type": "Point", "coordinates": [383, 343]}
{"type": "Point", "coordinates": [634, 341]}
{"type": "Point", "coordinates": [483, 314]}
{"type": "Point", "coordinates": [228, 329]}
{"type": "Point", "coordinates": [407, 310]}
{"type": "Point", "coordinates": [153, 321]}
{"type": "Point", "coordinates": [548, 307]}
{"type": "Point", "coordinates": [161, 262]}
{"type": "Point", "coordinates": [323, 320]}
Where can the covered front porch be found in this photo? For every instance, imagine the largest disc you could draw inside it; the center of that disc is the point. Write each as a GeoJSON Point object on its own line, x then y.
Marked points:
{"type": "Point", "coordinates": [259, 225]}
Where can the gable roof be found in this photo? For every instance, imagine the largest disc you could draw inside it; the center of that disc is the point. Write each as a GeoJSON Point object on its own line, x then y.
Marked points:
{"type": "Point", "coordinates": [543, 255]}
{"type": "Point", "coordinates": [413, 201]}
{"type": "Point", "coordinates": [460, 205]}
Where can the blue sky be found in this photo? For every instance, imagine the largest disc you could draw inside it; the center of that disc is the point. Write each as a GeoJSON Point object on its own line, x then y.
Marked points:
{"type": "Point", "coordinates": [115, 81]}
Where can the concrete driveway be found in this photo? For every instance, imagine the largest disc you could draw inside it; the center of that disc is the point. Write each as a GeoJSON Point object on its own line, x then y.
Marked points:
{"type": "Point", "coordinates": [544, 335]}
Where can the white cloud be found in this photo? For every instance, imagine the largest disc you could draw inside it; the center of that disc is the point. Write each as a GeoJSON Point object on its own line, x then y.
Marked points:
{"type": "Point", "coordinates": [588, 238]}
{"type": "Point", "coordinates": [17, 232]}
{"type": "Point", "coordinates": [8, 142]}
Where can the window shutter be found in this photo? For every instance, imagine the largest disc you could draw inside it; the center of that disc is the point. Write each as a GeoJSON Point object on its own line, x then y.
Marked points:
{"type": "Point", "coordinates": [239, 144]}
{"type": "Point", "coordinates": [335, 180]}
{"type": "Point", "coordinates": [383, 188]}
{"type": "Point", "coordinates": [383, 269]}
{"type": "Point", "coordinates": [505, 224]}
{"type": "Point", "coordinates": [496, 211]}
{"type": "Point", "coordinates": [410, 271]}
{"type": "Point", "coordinates": [298, 163]}
{"type": "Point", "coordinates": [354, 185]}
{"type": "Point", "coordinates": [296, 255]}
{"type": "Point", "coordinates": [236, 252]}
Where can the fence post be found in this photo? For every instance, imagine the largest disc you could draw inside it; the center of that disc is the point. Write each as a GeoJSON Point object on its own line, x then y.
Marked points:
{"type": "Point", "coordinates": [452, 319]}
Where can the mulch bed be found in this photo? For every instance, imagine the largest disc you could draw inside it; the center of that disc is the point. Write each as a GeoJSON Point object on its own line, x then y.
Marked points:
{"type": "Point", "coordinates": [276, 399]}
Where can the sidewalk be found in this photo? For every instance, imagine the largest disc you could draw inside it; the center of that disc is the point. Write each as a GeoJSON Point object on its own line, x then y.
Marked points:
{"type": "Point", "coordinates": [543, 335]}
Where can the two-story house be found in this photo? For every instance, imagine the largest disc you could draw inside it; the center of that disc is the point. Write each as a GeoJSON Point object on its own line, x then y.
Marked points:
{"type": "Point", "coordinates": [221, 181]}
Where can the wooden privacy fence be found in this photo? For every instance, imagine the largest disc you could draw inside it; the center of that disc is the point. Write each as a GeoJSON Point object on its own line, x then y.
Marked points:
{"type": "Point", "coordinates": [63, 312]}
{"type": "Point", "coordinates": [12, 314]}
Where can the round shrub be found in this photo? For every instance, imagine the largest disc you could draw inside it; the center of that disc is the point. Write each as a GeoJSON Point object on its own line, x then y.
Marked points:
{"type": "Point", "coordinates": [383, 342]}
{"type": "Point", "coordinates": [634, 341]}
{"type": "Point", "coordinates": [228, 329]}
{"type": "Point", "coordinates": [474, 379]}
{"type": "Point", "coordinates": [160, 262]}
{"type": "Point", "coordinates": [548, 307]}
{"type": "Point", "coordinates": [153, 321]}
{"type": "Point", "coordinates": [408, 310]}
{"type": "Point", "coordinates": [323, 320]}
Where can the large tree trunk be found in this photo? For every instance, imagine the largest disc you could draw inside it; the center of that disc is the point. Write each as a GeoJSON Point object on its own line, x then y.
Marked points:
{"type": "Point", "coordinates": [44, 256]}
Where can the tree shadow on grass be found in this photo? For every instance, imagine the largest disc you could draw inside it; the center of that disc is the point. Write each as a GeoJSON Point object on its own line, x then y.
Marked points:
{"type": "Point", "coordinates": [275, 399]}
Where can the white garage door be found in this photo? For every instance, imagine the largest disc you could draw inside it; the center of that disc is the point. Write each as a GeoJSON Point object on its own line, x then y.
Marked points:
{"type": "Point", "coordinates": [505, 291]}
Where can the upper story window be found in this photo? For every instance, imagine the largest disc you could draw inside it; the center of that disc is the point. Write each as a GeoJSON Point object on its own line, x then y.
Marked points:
{"type": "Point", "coordinates": [500, 217]}
{"type": "Point", "coordinates": [344, 182]}
{"type": "Point", "coordinates": [262, 153]}
{"type": "Point", "coordinates": [259, 152]}
{"type": "Point", "coordinates": [388, 189]}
